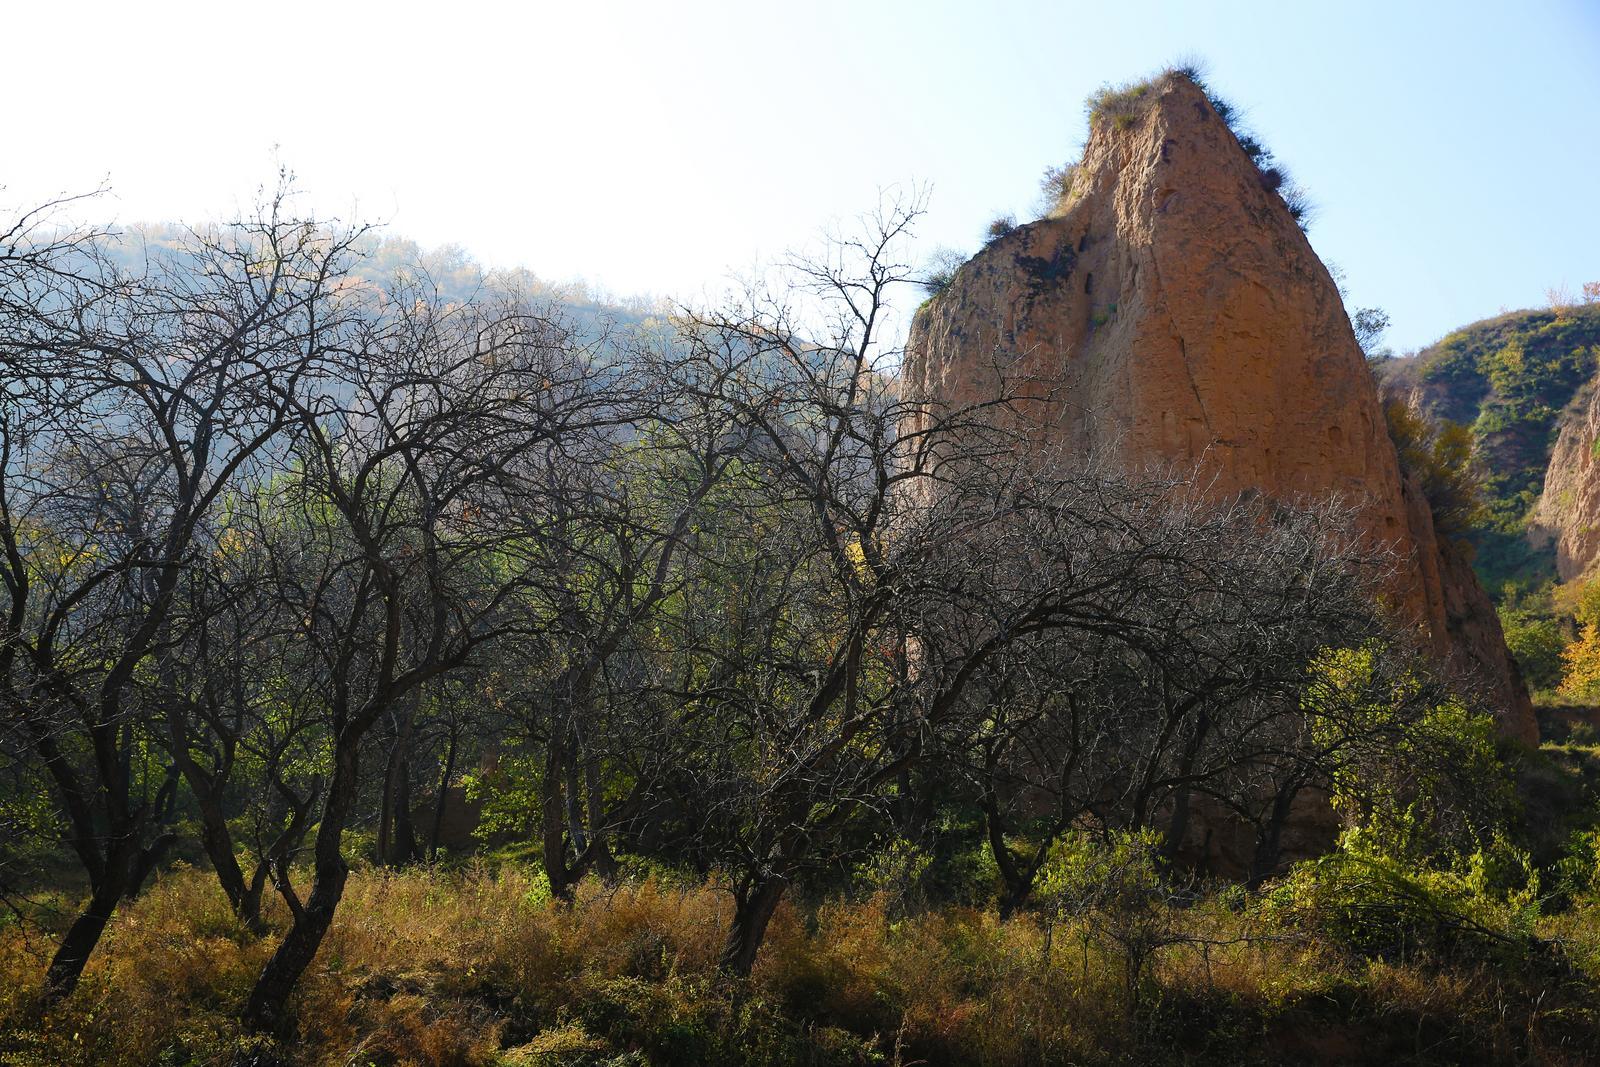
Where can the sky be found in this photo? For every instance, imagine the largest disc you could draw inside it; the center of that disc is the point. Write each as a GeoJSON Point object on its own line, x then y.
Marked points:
{"type": "Point", "coordinates": [1452, 149]}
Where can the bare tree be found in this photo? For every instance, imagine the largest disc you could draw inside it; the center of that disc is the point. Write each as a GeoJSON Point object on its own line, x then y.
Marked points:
{"type": "Point", "coordinates": [1193, 686]}
{"type": "Point", "coordinates": [922, 572]}
{"type": "Point", "coordinates": [806, 656]}
{"type": "Point", "coordinates": [397, 560]}
{"type": "Point", "coordinates": [133, 406]}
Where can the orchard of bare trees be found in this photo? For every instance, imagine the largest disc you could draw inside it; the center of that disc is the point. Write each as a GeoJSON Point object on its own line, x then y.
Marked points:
{"type": "Point", "coordinates": [286, 554]}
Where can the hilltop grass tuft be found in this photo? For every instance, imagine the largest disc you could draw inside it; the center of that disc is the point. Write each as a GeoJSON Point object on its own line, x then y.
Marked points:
{"type": "Point", "coordinates": [1122, 105]}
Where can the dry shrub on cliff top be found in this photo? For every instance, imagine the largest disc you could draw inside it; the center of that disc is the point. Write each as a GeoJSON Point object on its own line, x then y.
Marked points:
{"type": "Point", "coordinates": [998, 227]}
{"type": "Point", "coordinates": [1056, 187]}
{"type": "Point", "coordinates": [1120, 105]}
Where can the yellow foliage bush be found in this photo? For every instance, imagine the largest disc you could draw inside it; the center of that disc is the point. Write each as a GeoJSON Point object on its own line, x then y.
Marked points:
{"type": "Point", "coordinates": [1580, 675]}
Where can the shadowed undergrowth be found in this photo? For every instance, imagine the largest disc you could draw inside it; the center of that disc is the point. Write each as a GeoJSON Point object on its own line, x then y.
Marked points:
{"type": "Point", "coordinates": [478, 967]}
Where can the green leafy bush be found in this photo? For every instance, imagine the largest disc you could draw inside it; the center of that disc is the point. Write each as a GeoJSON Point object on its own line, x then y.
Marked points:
{"type": "Point", "coordinates": [1439, 455]}
{"type": "Point", "coordinates": [1536, 641]}
{"type": "Point", "coordinates": [1384, 905]}
{"type": "Point", "coordinates": [1115, 885]}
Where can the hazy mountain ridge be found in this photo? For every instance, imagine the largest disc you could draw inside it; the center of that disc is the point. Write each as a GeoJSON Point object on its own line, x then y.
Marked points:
{"type": "Point", "coordinates": [451, 270]}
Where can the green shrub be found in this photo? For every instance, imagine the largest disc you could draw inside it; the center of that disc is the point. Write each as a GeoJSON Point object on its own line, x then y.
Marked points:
{"type": "Point", "coordinates": [1536, 641]}
{"type": "Point", "coordinates": [1440, 456]}
{"type": "Point", "coordinates": [1381, 904]}
{"type": "Point", "coordinates": [1115, 886]}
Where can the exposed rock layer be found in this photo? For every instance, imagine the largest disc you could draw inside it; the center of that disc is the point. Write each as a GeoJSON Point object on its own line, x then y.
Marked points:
{"type": "Point", "coordinates": [1173, 313]}
{"type": "Point", "coordinates": [1568, 512]}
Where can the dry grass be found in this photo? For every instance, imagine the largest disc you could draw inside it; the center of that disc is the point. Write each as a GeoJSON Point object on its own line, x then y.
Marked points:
{"type": "Point", "coordinates": [478, 968]}
{"type": "Point", "coordinates": [1121, 105]}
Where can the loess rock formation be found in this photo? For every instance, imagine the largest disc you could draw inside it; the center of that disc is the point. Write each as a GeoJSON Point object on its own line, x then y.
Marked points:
{"type": "Point", "coordinates": [1567, 515]}
{"type": "Point", "coordinates": [1171, 311]}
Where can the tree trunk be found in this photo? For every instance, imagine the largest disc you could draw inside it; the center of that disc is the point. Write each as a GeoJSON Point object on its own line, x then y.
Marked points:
{"type": "Point", "coordinates": [1014, 899]}
{"type": "Point", "coordinates": [574, 795]}
{"type": "Point", "coordinates": [250, 905]}
{"type": "Point", "coordinates": [218, 845]}
{"type": "Point", "coordinates": [553, 830]}
{"type": "Point", "coordinates": [403, 846]}
{"type": "Point", "coordinates": [127, 866]}
{"type": "Point", "coordinates": [438, 801]}
{"type": "Point", "coordinates": [1177, 828]}
{"type": "Point", "coordinates": [752, 910]}
{"type": "Point", "coordinates": [1017, 880]}
{"type": "Point", "coordinates": [397, 839]}
{"type": "Point", "coordinates": [265, 1010]}
{"type": "Point", "coordinates": [599, 848]}
{"type": "Point", "coordinates": [72, 955]}
{"type": "Point", "coordinates": [144, 864]}
{"type": "Point", "coordinates": [1269, 842]}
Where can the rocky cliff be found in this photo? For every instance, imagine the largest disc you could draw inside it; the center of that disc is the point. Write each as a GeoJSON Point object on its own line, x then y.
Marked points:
{"type": "Point", "coordinates": [1171, 311]}
{"type": "Point", "coordinates": [1567, 516]}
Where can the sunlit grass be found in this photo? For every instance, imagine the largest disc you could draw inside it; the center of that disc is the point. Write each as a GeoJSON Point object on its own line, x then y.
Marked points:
{"type": "Point", "coordinates": [478, 967]}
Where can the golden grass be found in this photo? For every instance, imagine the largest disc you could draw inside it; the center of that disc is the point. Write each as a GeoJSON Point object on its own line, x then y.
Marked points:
{"type": "Point", "coordinates": [477, 968]}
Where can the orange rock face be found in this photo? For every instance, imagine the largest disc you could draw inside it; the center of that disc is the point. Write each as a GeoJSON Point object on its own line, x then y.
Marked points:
{"type": "Point", "coordinates": [1172, 312]}
{"type": "Point", "coordinates": [1568, 511]}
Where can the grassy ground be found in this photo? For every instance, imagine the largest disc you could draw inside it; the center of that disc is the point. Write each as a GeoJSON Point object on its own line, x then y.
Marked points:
{"type": "Point", "coordinates": [476, 967]}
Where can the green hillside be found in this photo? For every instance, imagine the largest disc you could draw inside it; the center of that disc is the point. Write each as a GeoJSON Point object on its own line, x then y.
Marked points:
{"type": "Point", "coordinates": [1508, 378]}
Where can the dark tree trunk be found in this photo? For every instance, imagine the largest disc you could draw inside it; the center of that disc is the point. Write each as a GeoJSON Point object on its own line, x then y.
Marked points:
{"type": "Point", "coordinates": [1017, 878]}
{"type": "Point", "coordinates": [574, 799]}
{"type": "Point", "coordinates": [1014, 898]}
{"type": "Point", "coordinates": [1177, 828]}
{"type": "Point", "coordinates": [217, 842]}
{"type": "Point", "coordinates": [397, 839]}
{"type": "Point", "coordinates": [403, 845]}
{"type": "Point", "coordinates": [250, 903]}
{"type": "Point", "coordinates": [439, 800]}
{"type": "Point", "coordinates": [144, 864]}
{"type": "Point", "coordinates": [72, 955]}
{"type": "Point", "coordinates": [599, 850]}
{"type": "Point", "coordinates": [1269, 841]}
{"type": "Point", "coordinates": [265, 1010]}
{"type": "Point", "coordinates": [553, 830]}
{"type": "Point", "coordinates": [569, 852]}
{"type": "Point", "coordinates": [752, 910]}
{"type": "Point", "coordinates": [127, 866]}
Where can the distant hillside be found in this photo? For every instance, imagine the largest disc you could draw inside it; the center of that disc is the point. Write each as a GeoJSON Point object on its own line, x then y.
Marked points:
{"type": "Point", "coordinates": [449, 268]}
{"type": "Point", "coordinates": [1514, 380]}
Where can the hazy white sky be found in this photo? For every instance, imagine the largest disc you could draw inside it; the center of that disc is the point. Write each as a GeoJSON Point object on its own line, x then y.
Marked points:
{"type": "Point", "coordinates": [1452, 148]}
